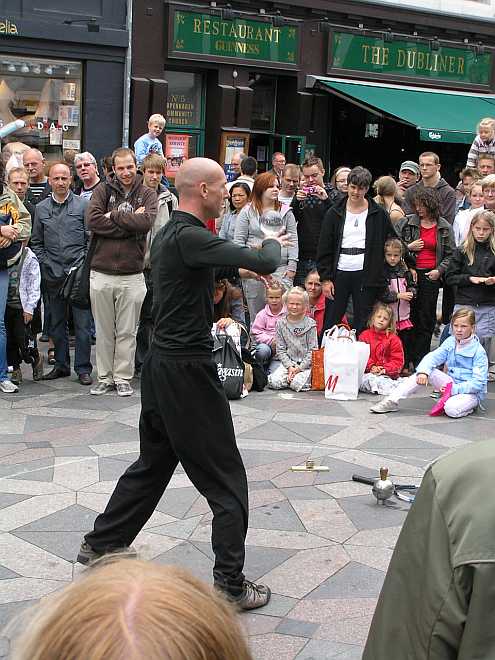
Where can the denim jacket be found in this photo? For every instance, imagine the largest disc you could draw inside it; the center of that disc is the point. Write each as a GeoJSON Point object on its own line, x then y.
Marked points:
{"type": "Point", "coordinates": [467, 365]}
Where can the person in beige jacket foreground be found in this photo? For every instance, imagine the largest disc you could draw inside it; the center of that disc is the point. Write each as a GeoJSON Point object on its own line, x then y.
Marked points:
{"type": "Point", "coordinates": [438, 598]}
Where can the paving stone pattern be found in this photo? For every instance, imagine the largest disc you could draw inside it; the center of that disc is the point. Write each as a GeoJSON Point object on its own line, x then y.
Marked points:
{"type": "Point", "coordinates": [318, 539]}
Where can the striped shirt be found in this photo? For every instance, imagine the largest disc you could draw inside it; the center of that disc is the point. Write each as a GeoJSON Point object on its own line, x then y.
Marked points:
{"type": "Point", "coordinates": [37, 190]}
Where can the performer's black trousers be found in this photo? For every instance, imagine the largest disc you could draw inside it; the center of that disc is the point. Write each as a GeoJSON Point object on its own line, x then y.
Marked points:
{"type": "Point", "coordinates": [185, 417]}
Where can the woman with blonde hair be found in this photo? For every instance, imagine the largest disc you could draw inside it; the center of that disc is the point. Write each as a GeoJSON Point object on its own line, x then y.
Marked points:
{"type": "Point", "coordinates": [134, 610]}
{"type": "Point", "coordinates": [386, 191]}
{"type": "Point", "coordinates": [339, 178]}
{"type": "Point", "coordinates": [249, 232]}
{"type": "Point", "coordinates": [472, 272]}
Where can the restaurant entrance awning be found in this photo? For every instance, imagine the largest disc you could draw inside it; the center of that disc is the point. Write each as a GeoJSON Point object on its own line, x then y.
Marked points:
{"type": "Point", "coordinates": [440, 116]}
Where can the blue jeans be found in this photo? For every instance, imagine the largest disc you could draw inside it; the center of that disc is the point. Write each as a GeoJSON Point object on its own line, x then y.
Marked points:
{"type": "Point", "coordinates": [59, 333]}
{"type": "Point", "coordinates": [263, 354]}
{"type": "Point", "coordinates": [4, 287]}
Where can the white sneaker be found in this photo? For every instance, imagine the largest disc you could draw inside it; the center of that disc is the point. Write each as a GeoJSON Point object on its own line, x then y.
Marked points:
{"type": "Point", "coordinates": [385, 406]}
{"type": "Point", "coordinates": [8, 386]}
{"type": "Point", "coordinates": [124, 389]}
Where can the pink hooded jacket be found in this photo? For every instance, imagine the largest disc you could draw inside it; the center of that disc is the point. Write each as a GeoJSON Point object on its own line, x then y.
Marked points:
{"type": "Point", "coordinates": [265, 323]}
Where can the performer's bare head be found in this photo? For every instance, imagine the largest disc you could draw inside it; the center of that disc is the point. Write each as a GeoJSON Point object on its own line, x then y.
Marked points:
{"type": "Point", "coordinates": [200, 183]}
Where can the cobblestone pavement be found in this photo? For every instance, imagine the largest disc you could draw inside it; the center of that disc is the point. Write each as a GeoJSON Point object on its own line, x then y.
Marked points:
{"type": "Point", "coordinates": [319, 540]}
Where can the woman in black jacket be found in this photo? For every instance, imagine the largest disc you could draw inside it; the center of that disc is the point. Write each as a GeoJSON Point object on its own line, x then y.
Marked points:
{"type": "Point", "coordinates": [429, 240]}
{"type": "Point", "coordinates": [350, 252]}
{"type": "Point", "coordinates": [472, 271]}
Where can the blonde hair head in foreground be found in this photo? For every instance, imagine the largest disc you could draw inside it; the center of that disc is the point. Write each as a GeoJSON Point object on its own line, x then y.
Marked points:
{"type": "Point", "coordinates": [132, 610]}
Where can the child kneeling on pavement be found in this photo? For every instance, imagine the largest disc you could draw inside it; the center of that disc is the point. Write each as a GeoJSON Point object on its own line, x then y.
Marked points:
{"type": "Point", "coordinates": [296, 338]}
{"type": "Point", "coordinates": [22, 300]}
{"type": "Point", "coordinates": [467, 371]}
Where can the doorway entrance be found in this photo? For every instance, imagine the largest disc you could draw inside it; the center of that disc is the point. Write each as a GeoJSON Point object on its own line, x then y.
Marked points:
{"type": "Point", "coordinates": [262, 146]}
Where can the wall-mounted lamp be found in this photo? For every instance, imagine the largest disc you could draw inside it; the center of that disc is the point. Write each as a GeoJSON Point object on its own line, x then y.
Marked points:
{"type": "Point", "coordinates": [434, 44]}
{"type": "Point", "coordinates": [11, 68]}
{"type": "Point", "coordinates": [227, 13]}
{"type": "Point", "coordinates": [324, 25]}
{"type": "Point", "coordinates": [67, 71]}
{"type": "Point", "coordinates": [479, 49]}
{"type": "Point", "coordinates": [24, 68]}
{"type": "Point", "coordinates": [49, 70]}
{"type": "Point", "coordinates": [37, 69]}
{"type": "Point", "coordinates": [278, 21]}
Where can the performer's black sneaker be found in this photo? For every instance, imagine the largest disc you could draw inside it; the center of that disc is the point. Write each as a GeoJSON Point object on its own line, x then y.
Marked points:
{"type": "Point", "coordinates": [253, 596]}
{"type": "Point", "coordinates": [88, 556]}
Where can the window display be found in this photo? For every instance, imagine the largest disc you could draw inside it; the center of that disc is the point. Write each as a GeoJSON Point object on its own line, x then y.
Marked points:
{"type": "Point", "coordinates": [46, 95]}
{"type": "Point", "coordinates": [184, 98]}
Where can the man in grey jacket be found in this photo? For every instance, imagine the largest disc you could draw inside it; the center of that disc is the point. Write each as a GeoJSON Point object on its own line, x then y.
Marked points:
{"type": "Point", "coordinates": [59, 241]}
{"type": "Point", "coordinates": [429, 164]}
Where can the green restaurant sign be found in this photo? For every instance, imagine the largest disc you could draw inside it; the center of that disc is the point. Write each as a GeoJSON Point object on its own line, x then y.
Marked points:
{"type": "Point", "coordinates": [207, 35]}
{"type": "Point", "coordinates": [409, 58]}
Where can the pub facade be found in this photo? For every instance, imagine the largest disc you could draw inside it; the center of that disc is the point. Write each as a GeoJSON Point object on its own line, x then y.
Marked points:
{"type": "Point", "coordinates": [353, 82]}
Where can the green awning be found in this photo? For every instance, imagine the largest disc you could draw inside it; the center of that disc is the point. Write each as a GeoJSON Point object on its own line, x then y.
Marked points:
{"type": "Point", "coordinates": [439, 116]}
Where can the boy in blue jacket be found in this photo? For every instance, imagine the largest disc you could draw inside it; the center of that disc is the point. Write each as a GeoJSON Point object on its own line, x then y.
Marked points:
{"type": "Point", "coordinates": [464, 384]}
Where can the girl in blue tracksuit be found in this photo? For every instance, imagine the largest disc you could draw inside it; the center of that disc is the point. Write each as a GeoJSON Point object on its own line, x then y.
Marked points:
{"type": "Point", "coordinates": [467, 370]}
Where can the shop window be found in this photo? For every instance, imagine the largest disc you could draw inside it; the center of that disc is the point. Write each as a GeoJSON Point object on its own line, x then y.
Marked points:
{"type": "Point", "coordinates": [46, 95]}
{"type": "Point", "coordinates": [184, 101]}
{"type": "Point", "coordinates": [184, 134]}
{"type": "Point", "coordinates": [264, 95]}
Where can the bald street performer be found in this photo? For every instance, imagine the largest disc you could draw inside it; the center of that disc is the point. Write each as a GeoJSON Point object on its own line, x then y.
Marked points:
{"type": "Point", "coordinates": [185, 415]}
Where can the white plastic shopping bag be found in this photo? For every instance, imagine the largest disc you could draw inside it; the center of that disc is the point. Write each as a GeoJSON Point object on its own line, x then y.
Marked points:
{"type": "Point", "coordinates": [345, 360]}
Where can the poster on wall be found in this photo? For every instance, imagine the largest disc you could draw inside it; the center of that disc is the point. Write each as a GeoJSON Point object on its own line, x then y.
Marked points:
{"type": "Point", "coordinates": [68, 115]}
{"type": "Point", "coordinates": [176, 152]}
{"type": "Point", "coordinates": [232, 143]}
{"type": "Point", "coordinates": [68, 91]}
{"type": "Point", "coordinates": [56, 136]}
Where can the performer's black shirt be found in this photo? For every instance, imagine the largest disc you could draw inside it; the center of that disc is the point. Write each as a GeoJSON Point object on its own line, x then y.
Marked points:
{"type": "Point", "coordinates": [186, 258]}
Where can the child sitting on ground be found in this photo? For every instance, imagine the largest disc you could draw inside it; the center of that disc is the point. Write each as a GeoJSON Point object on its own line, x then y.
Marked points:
{"type": "Point", "coordinates": [386, 354]}
{"type": "Point", "coordinates": [398, 294]}
{"type": "Point", "coordinates": [464, 384]}
{"type": "Point", "coordinates": [296, 338]}
{"type": "Point", "coordinates": [22, 298]}
{"type": "Point", "coordinates": [265, 324]}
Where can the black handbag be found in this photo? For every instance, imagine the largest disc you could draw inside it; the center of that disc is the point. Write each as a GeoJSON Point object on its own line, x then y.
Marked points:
{"type": "Point", "coordinates": [75, 289]}
{"type": "Point", "coordinates": [230, 366]}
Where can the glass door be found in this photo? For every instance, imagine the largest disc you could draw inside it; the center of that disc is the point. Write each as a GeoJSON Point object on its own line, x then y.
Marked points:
{"type": "Point", "coordinates": [294, 148]}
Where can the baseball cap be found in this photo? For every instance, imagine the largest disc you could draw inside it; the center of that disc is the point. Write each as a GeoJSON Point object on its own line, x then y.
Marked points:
{"type": "Point", "coordinates": [411, 166]}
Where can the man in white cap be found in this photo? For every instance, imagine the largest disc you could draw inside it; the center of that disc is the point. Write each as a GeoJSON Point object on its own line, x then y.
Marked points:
{"type": "Point", "coordinates": [408, 176]}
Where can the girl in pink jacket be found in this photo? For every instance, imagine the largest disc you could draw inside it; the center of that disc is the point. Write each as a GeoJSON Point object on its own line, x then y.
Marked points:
{"type": "Point", "coordinates": [264, 327]}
